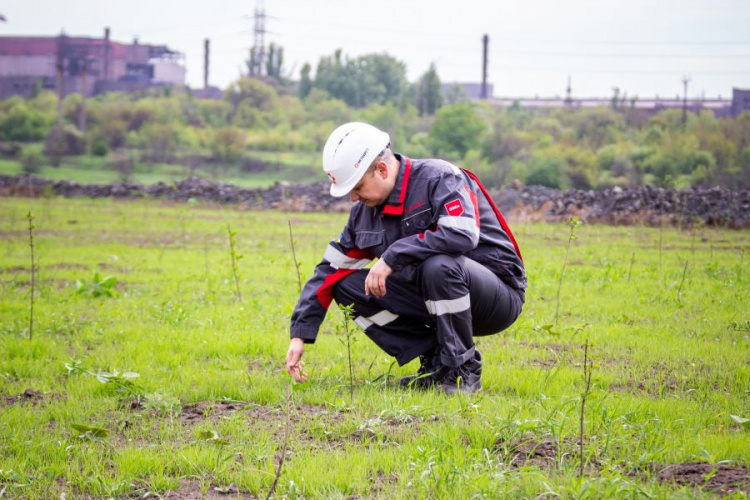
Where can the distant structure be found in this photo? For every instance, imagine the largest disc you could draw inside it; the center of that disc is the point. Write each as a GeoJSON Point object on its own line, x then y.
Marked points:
{"type": "Point", "coordinates": [471, 91]}
{"type": "Point", "coordinates": [85, 65]}
{"type": "Point", "coordinates": [740, 101]}
{"type": "Point", "coordinates": [719, 107]}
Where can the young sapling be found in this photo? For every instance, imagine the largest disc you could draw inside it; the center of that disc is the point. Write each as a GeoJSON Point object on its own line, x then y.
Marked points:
{"type": "Point", "coordinates": [630, 269]}
{"type": "Point", "coordinates": [30, 218]}
{"type": "Point", "coordinates": [349, 339]}
{"type": "Point", "coordinates": [284, 448]}
{"type": "Point", "coordinates": [294, 256]}
{"type": "Point", "coordinates": [586, 390]}
{"type": "Point", "coordinates": [235, 258]}
{"type": "Point", "coordinates": [572, 224]}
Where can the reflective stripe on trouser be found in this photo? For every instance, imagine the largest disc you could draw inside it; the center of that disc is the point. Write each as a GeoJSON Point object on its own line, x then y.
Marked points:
{"type": "Point", "coordinates": [451, 301]}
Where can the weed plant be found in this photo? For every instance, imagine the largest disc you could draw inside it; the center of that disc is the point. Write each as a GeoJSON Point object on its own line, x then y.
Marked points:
{"type": "Point", "coordinates": [206, 414]}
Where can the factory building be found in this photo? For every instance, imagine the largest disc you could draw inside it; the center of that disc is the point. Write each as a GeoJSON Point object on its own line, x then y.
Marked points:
{"type": "Point", "coordinates": [85, 65]}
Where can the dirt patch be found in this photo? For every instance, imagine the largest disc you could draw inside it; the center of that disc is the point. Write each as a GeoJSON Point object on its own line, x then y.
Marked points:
{"type": "Point", "coordinates": [28, 396]}
{"type": "Point", "coordinates": [191, 490]}
{"type": "Point", "coordinates": [720, 478]}
{"type": "Point", "coordinates": [533, 451]}
{"type": "Point", "coordinates": [68, 265]}
{"type": "Point", "coordinates": [198, 412]}
{"type": "Point", "coordinates": [15, 269]}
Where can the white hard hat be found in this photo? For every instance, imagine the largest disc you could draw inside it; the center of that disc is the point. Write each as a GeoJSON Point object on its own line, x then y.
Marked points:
{"type": "Point", "coordinates": [348, 153]}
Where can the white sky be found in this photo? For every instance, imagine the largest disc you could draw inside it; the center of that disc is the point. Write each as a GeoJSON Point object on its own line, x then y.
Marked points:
{"type": "Point", "coordinates": [644, 47]}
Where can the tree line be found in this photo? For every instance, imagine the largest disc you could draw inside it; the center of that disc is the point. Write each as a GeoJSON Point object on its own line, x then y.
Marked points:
{"type": "Point", "coordinates": [563, 147]}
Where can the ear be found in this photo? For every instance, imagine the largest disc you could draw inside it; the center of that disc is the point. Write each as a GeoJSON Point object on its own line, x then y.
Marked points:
{"type": "Point", "coordinates": [382, 169]}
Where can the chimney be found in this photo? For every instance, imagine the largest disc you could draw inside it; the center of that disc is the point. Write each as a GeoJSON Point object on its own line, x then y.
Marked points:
{"type": "Point", "coordinates": [106, 55]}
{"type": "Point", "coordinates": [206, 51]}
{"type": "Point", "coordinates": [485, 44]}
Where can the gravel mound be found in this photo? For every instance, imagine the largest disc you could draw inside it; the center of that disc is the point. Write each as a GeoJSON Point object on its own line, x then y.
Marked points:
{"type": "Point", "coordinates": [636, 205]}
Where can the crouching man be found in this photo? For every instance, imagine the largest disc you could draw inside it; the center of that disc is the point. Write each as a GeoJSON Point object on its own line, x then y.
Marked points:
{"type": "Point", "coordinates": [448, 267]}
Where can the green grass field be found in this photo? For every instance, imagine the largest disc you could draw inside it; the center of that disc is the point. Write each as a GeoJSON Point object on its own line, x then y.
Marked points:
{"type": "Point", "coordinates": [297, 167]}
{"type": "Point", "coordinates": [665, 313]}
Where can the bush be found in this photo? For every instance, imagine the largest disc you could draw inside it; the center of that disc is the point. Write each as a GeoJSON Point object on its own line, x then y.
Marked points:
{"type": "Point", "coordinates": [99, 148]}
{"type": "Point", "coordinates": [63, 141]}
{"type": "Point", "coordinates": [31, 160]}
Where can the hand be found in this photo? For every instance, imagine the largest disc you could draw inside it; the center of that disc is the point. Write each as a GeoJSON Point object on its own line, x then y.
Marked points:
{"type": "Point", "coordinates": [293, 357]}
{"type": "Point", "coordinates": [375, 281]}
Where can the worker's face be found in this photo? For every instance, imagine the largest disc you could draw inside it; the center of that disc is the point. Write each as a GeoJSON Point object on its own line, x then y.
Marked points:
{"type": "Point", "coordinates": [374, 188]}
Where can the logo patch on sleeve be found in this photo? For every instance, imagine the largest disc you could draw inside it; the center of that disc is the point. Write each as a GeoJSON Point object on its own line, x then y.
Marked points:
{"type": "Point", "coordinates": [454, 207]}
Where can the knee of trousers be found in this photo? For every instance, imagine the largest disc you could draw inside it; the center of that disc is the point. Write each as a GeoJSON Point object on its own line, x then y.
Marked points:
{"type": "Point", "coordinates": [351, 290]}
{"type": "Point", "coordinates": [440, 271]}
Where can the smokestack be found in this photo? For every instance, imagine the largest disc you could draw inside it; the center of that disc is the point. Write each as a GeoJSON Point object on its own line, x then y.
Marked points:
{"type": "Point", "coordinates": [106, 55]}
{"type": "Point", "coordinates": [485, 45]}
{"type": "Point", "coordinates": [206, 51]}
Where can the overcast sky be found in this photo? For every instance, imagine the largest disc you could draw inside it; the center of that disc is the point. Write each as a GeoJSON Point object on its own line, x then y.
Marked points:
{"type": "Point", "coordinates": [644, 47]}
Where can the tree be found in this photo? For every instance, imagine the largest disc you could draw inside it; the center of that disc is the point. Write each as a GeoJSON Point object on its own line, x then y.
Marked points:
{"type": "Point", "coordinates": [456, 130]}
{"type": "Point", "coordinates": [429, 94]}
{"type": "Point", "coordinates": [228, 144]}
{"type": "Point", "coordinates": [372, 78]}
{"type": "Point", "coordinates": [275, 63]}
{"type": "Point", "coordinates": [22, 123]}
{"type": "Point", "coordinates": [305, 83]}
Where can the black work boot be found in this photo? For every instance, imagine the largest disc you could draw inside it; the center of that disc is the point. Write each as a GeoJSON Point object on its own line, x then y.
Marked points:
{"type": "Point", "coordinates": [428, 373]}
{"type": "Point", "coordinates": [466, 378]}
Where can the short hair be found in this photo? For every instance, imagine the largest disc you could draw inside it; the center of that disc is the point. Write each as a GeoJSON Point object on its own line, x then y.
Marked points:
{"type": "Point", "coordinates": [386, 154]}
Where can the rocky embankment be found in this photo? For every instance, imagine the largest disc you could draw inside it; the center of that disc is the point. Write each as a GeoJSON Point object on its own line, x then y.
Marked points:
{"type": "Point", "coordinates": [647, 205]}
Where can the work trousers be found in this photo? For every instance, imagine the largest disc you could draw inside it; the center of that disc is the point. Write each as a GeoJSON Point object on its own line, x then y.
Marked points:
{"type": "Point", "coordinates": [451, 301]}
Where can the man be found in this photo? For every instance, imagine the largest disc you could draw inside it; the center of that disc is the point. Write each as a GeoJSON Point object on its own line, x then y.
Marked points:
{"type": "Point", "coordinates": [448, 266]}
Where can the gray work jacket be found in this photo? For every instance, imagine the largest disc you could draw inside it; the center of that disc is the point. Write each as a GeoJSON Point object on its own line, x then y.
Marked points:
{"type": "Point", "coordinates": [435, 208]}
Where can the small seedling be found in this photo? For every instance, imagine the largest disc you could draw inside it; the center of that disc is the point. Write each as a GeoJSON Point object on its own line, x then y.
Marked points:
{"type": "Point", "coordinates": [123, 381]}
{"type": "Point", "coordinates": [97, 287]}
{"type": "Point", "coordinates": [348, 340]}
{"type": "Point", "coordinates": [89, 433]}
{"type": "Point", "coordinates": [682, 281]}
{"type": "Point", "coordinates": [235, 259]}
{"type": "Point", "coordinates": [30, 218]}
{"type": "Point", "coordinates": [294, 255]}
{"type": "Point", "coordinates": [286, 444]}
{"type": "Point", "coordinates": [630, 269]}
{"type": "Point", "coordinates": [572, 224]}
{"type": "Point", "coordinates": [586, 389]}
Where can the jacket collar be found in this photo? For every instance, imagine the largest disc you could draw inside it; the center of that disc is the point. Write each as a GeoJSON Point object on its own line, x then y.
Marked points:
{"type": "Point", "coordinates": [395, 203]}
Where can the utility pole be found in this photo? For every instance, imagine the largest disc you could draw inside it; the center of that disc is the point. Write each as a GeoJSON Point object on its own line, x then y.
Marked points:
{"type": "Point", "coordinates": [485, 49]}
{"type": "Point", "coordinates": [685, 81]}
{"type": "Point", "coordinates": [569, 94]}
{"type": "Point", "coordinates": [258, 56]}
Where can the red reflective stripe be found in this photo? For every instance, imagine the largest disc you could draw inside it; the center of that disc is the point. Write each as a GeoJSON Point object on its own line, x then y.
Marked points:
{"type": "Point", "coordinates": [325, 292]}
{"type": "Point", "coordinates": [500, 217]}
{"type": "Point", "coordinates": [399, 209]}
{"type": "Point", "coordinates": [474, 202]}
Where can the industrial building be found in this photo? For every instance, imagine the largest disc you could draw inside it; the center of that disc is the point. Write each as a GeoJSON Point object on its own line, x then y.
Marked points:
{"type": "Point", "coordinates": [85, 65]}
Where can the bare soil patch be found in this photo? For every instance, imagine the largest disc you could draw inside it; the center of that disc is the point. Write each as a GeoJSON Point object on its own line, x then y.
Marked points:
{"type": "Point", "coordinates": [534, 451]}
{"type": "Point", "coordinates": [719, 478]}
{"type": "Point", "coordinates": [191, 490]}
{"type": "Point", "coordinates": [68, 265]}
{"type": "Point", "coordinates": [28, 396]}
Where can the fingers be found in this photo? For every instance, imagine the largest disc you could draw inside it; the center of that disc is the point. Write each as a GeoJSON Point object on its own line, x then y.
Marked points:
{"type": "Point", "coordinates": [293, 356]}
{"type": "Point", "coordinates": [375, 284]}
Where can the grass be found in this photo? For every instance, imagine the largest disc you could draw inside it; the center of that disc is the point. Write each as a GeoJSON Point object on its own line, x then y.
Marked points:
{"type": "Point", "coordinates": [670, 356]}
{"type": "Point", "coordinates": [302, 167]}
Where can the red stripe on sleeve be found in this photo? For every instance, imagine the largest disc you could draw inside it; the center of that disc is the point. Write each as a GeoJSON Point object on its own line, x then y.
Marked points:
{"type": "Point", "coordinates": [325, 292]}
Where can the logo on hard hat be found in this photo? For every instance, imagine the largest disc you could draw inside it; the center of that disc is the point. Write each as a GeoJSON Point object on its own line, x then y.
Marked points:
{"type": "Point", "coordinates": [356, 165]}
